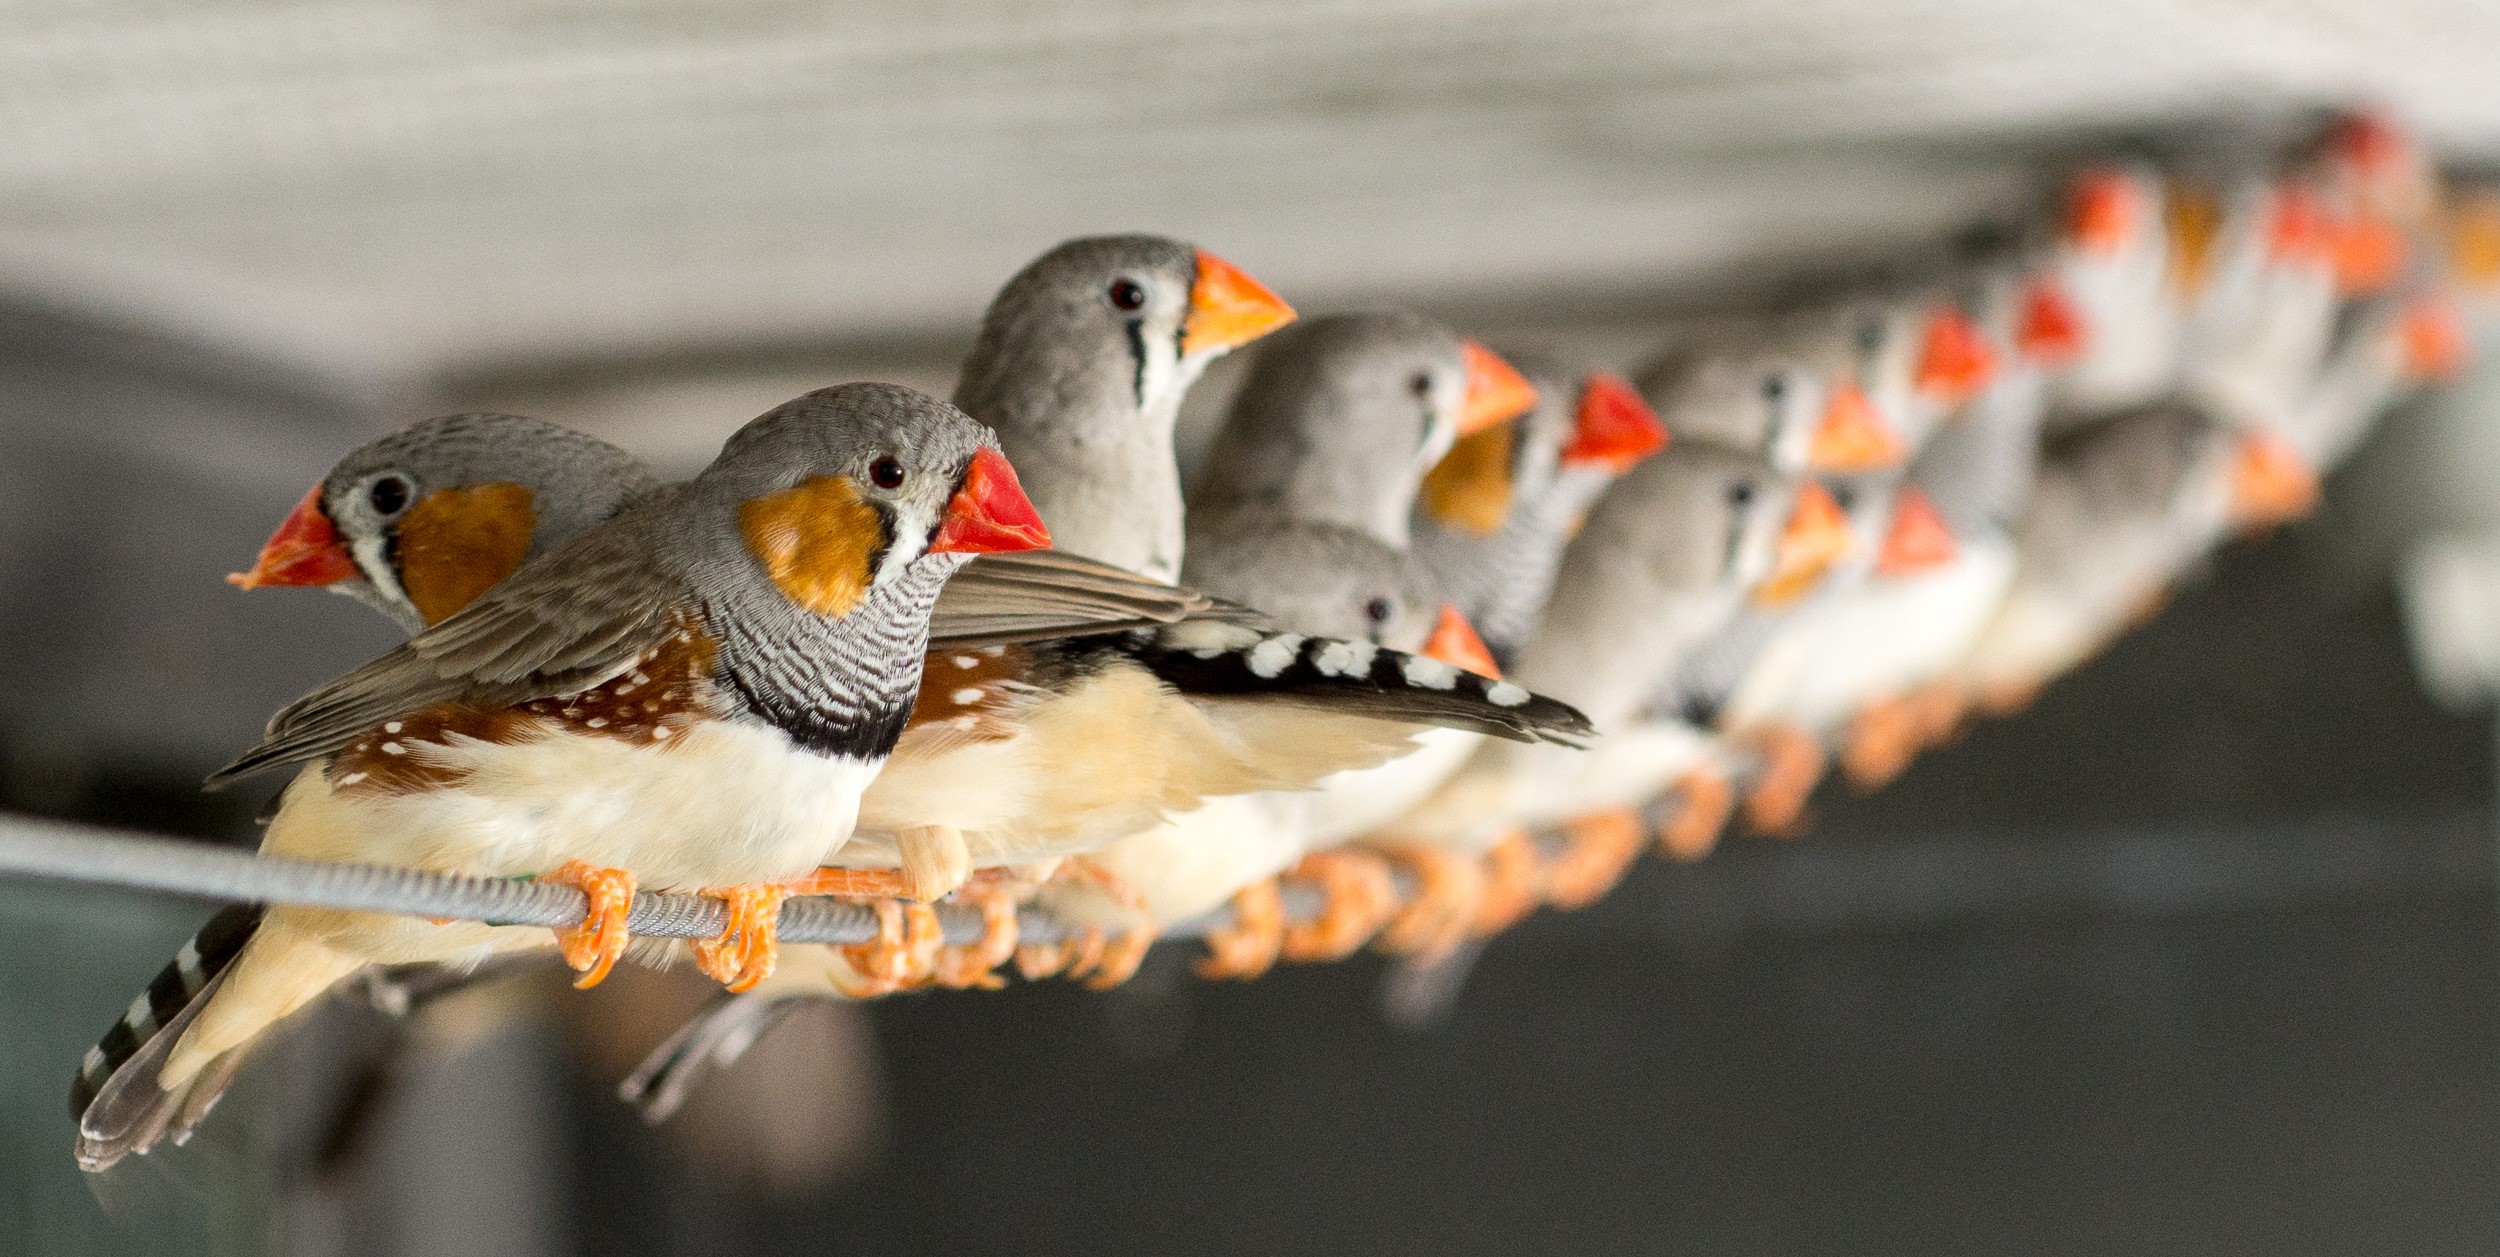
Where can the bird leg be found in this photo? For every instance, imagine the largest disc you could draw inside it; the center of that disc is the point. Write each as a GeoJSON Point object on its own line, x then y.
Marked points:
{"type": "Point", "coordinates": [1792, 762]}
{"type": "Point", "coordinates": [974, 964]}
{"type": "Point", "coordinates": [1884, 737]}
{"type": "Point", "coordinates": [1940, 708]}
{"type": "Point", "coordinates": [1359, 896]}
{"type": "Point", "coordinates": [1514, 884]}
{"type": "Point", "coordinates": [901, 955]}
{"type": "Point", "coordinates": [1112, 960]}
{"type": "Point", "coordinates": [1035, 961]}
{"type": "Point", "coordinates": [1449, 888]}
{"type": "Point", "coordinates": [1246, 946]}
{"type": "Point", "coordinates": [749, 946]}
{"type": "Point", "coordinates": [1704, 798]}
{"type": "Point", "coordinates": [592, 947]}
{"type": "Point", "coordinates": [1603, 846]}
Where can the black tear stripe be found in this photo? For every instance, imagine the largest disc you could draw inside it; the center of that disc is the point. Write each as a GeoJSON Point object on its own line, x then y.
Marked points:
{"type": "Point", "coordinates": [172, 989]}
{"type": "Point", "coordinates": [1137, 354]}
{"type": "Point", "coordinates": [1381, 691]}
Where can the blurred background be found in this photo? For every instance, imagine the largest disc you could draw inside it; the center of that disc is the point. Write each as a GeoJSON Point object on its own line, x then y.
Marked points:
{"type": "Point", "coordinates": [2196, 955]}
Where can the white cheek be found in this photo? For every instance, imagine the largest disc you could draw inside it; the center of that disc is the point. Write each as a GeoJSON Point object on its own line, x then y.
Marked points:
{"type": "Point", "coordinates": [372, 555]}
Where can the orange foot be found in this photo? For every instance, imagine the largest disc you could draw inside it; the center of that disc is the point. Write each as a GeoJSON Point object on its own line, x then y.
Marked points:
{"type": "Point", "coordinates": [900, 956]}
{"type": "Point", "coordinates": [1035, 961]}
{"type": "Point", "coordinates": [748, 947]}
{"type": "Point", "coordinates": [1941, 709]}
{"type": "Point", "coordinates": [1514, 884]}
{"type": "Point", "coordinates": [2006, 698]}
{"type": "Point", "coordinates": [1114, 962]}
{"type": "Point", "coordinates": [1246, 946]}
{"type": "Point", "coordinates": [1704, 799]}
{"type": "Point", "coordinates": [1792, 762]}
{"type": "Point", "coordinates": [974, 965]}
{"type": "Point", "coordinates": [1449, 888]}
{"type": "Point", "coordinates": [593, 946]}
{"type": "Point", "coordinates": [1359, 896]}
{"type": "Point", "coordinates": [1603, 846]}
{"type": "Point", "coordinates": [1884, 737]}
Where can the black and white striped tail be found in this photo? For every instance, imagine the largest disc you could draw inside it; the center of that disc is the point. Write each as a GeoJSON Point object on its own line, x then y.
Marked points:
{"type": "Point", "coordinates": [1357, 678]}
{"type": "Point", "coordinates": [115, 1099]}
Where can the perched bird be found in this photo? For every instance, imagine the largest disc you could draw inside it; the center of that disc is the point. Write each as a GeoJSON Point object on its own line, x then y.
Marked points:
{"type": "Point", "coordinates": [418, 523]}
{"type": "Point", "coordinates": [690, 695]}
{"type": "Point", "coordinates": [1774, 389]}
{"type": "Point", "coordinates": [1494, 514]}
{"type": "Point", "coordinates": [1081, 364]}
{"type": "Point", "coordinates": [1679, 546]}
{"type": "Point", "coordinates": [2125, 254]}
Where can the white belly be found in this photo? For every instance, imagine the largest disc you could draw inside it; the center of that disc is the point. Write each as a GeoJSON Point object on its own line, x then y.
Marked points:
{"type": "Point", "coordinates": [1352, 804]}
{"type": "Point", "coordinates": [1194, 862]}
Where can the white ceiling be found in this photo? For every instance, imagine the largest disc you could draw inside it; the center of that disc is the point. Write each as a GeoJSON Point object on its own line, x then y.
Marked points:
{"type": "Point", "coordinates": [409, 189]}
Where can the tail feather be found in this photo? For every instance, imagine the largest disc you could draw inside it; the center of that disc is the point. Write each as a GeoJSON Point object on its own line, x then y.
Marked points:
{"type": "Point", "coordinates": [116, 1099]}
{"type": "Point", "coordinates": [1355, 678]}
{"type": "Point", "coordinates": [713, 1039]}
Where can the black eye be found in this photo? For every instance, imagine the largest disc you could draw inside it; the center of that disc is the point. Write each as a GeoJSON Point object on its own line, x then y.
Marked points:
{"type": "Point", "coordinates": [1870, 336]}
{"type": "Point", "coordinates": [1774, 387]}
{"type": "Point", "coordinates": [1845, 497]}
{"type": "Point", "coordinates": [1740, 494]}
{"type": "Point", "coordinates": [1378, 610]}
{"type": "Point", "coordinates": [1127, 295]}
{"type": "Point", "coordinates": [886, 473]}
{"type": "Point", "coordinates": [389, 495]}
{"type": "Point", "coordinates": [1421, 385]}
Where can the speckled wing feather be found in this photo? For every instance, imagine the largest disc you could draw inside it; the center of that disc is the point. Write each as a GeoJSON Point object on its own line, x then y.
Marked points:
{"type": "Point", "coordinates": [1035, 594]}
{"type": "Point", "coordinates": [560, 625]}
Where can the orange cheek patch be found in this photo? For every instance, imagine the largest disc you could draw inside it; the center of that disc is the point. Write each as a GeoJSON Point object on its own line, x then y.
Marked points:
{"type": "Point", "coordinates": [1469, 489]}
{"type": "Point", "coordinates": [455, 544]}
{"type": "Point", "coordinates": [815, 541]}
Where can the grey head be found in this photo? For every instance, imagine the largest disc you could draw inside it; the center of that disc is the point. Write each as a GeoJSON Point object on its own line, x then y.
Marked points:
{"type": "Point", "coordinates": [432, 515]}
{"type": "Point", "coordinates": [1669, 555]}
{"type": "Point", "coordinates": [1320, 580]}
{"type": "Point", "coordinates": [1081, 365]}
{"type": "Point", "coordinates": [1741, 386]}
{"type": "Point", "coordinates": [1337, 423]}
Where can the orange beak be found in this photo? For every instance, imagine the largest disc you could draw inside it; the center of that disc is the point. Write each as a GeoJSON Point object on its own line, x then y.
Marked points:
{"type": "Point", "coordinates": [305, 551]}
{"type": "Point", "coordinates": [2435, 347]}
{"type": "Point", "coordinates": [2299, 232]}
{"type": "Point", "coordinates": [1853, 436]}
{"type": "Point", "coordinates": [1614, 428]}
{"type": "Point", "coordinates": [1455, 643]}
{"type": "Point", "coordinates": [1955, 362]}
{"type": "Point", "coordinates": [2371, 142]}
{"type": "Point", "coordinates": [1496, 392]}
{"type": "Point", "coordinates": [2369, 253]}
{"type": "Point", "coordinates": [990, 514]}
{"type": "Point", "coordinates": [1228, 309]}
{"type": "Point", "coordinates": [2270, 482]}
{"type": "Point", "coordinates": [1918, 538]}
{"type": "Point", "coordinates": [2101, 210]}
{"type": "Point", "coordinates": [1816, 537]}
{"type": "Point", "coordinates": [2051, 330]}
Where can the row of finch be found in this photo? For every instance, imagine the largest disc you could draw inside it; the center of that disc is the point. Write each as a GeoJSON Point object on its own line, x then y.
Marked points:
{"type": "Point", "coordinates": [1437, 636]}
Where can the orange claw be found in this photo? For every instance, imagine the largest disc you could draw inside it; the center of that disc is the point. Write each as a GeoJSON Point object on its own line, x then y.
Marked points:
{"type": "Point", "coordinates": [1514, 884]}
{"type": "Point", "coordinates": [748, 947]}
{"type": "Point", "coordinates": [1115, 961]}
{"type": "Point", "coordinates": [1704, 800]}
{"type": "Point", "coordinates": [1035, 961]}
{"type": "Point", "coordinates": [593, 946]}
{"type": "Point", "coordinates": [1359, 895]}
{"type": "Point", "coordinates": [1248, 945]}
{"type": "Point", "coordinates": [903, 952]}
{"type": "Point", "coordinates": [1942, 710]}
{"type": "Point", "coordinates": [1448, 889]}
{"type": "Point", "coordinates": [974, 965]}
{"type": "Point", "coordinates": [1884, 737]}
{"type": "Point", "coordinates": [1603, 846]}
{"type": "Point", "coordinates": [1792, 764]}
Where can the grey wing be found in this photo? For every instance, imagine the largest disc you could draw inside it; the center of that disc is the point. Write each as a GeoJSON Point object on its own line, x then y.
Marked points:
{"type": "Point", "coordinates": [1047, 593]}
{"type": "Point", "coordinates": [563, 623]}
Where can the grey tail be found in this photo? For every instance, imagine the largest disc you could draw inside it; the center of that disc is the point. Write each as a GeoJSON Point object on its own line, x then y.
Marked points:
{"type": "Point", "coordinates": [714, 1039]}
{"type": "Point", "coordinates": [1356, 678]}
{"type": "Point", "coordinates": [115, 1099]}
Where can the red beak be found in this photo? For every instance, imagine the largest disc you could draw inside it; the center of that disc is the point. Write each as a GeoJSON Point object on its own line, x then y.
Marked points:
{"type": "Point", "coordinates": [1614, 427]}
{"type": "Point", "coordinates": [990, 514]}
{"type": "Point", "coordinates": [1918, 538]}
{"type": "Point", "coordinates": [2435, 343]}
{"type": "Point", "coordinates": [1955, 362]}
{"type": "Point", "coordinates": [2299, 232]}
{"type": "Point", "coordinates": [305, 551]}
{"type": "Point", "coordinates": [2052, 330]}
{"type": "Point", "coordinates": [1455, 643]}
{"type": "Point", "coordinates": [2101, 210]}
{"type": "Point", "coordinates": [1496, 392]}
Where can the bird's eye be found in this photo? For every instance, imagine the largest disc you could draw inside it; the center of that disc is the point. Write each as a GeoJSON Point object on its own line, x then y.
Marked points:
{"type": "Point", "coordinates": [1845, 497]}
{"type": "Point", "coordinates": [389, 495]}
{"type": "Point", "coordinates": [1740, 494]}
{"type": "Point", "coordinates": [1421, 384]}
{"type": "Point", "coordinates": [1127, 295]}
{"type": "Point", "coordinates": [1774, 387]}
{"type": "Point", "coordinates": [1870, 336]}
{"type": "Point", "coordinates": [886, 473]}
{"type": "Point", "coordinates": [1378, 610]}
